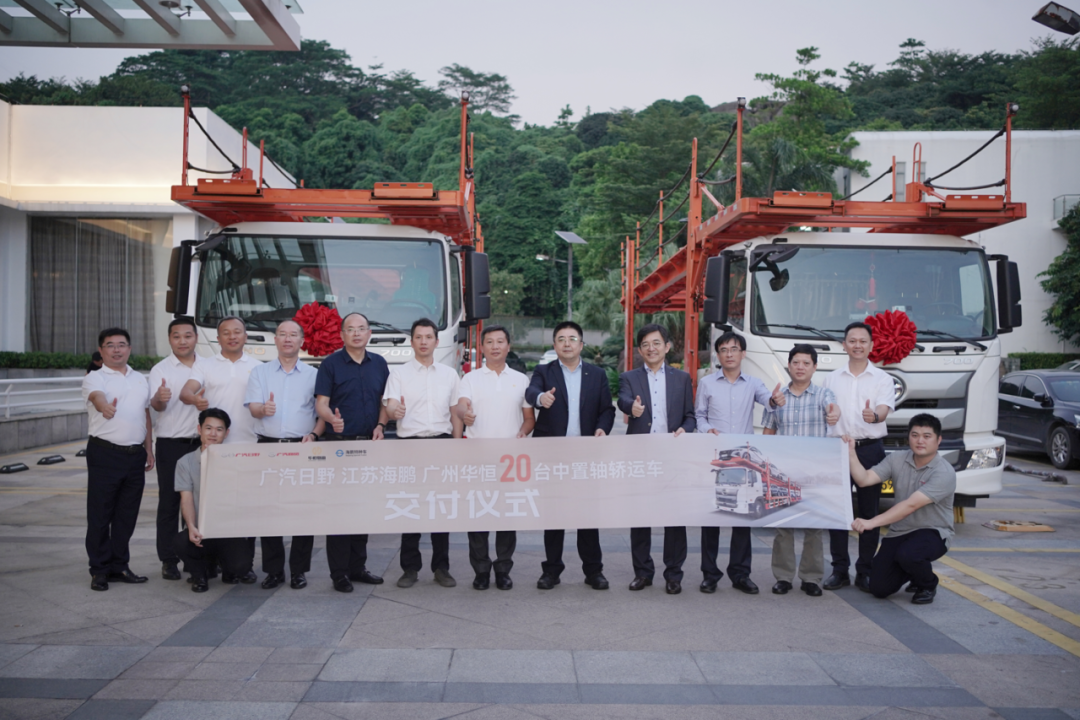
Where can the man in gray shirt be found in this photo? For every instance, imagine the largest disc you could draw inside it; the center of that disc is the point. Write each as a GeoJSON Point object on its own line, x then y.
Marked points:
{"type": "Point", "coordinates": [920, 522]}
{"type": "Point", "coordinates": [198, 553]}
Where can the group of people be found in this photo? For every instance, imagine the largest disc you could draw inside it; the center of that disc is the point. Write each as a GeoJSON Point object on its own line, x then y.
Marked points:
{"type": "Point", "coordinates": [353, 395]}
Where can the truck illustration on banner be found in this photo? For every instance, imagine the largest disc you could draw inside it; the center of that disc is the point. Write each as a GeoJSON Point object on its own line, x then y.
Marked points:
{"type": "Point", "coordinates": [748, 484]}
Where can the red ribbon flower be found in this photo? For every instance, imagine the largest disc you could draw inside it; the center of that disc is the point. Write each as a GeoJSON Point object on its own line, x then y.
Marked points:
{"type": "Point", "coordinates": [894, 336]}
{"type": "Point", "coordinates": [322, 329]}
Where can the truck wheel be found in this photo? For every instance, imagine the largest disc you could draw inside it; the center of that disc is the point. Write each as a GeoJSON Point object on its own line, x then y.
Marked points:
{"type": "Point", "coordinates": [759, 509]}
{"type": "Point", "coordinates": [1060, 449]}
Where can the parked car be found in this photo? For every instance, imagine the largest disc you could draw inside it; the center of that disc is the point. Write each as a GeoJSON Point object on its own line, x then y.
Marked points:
{"type": "Point", "coordinates": [516, 363]}
{"type": "Point", "coordinates": [1073, 365]}
{"type": "Point", "coordinates": [1040, 410]}
{"type": "Point", "coordinates": [549, 356]}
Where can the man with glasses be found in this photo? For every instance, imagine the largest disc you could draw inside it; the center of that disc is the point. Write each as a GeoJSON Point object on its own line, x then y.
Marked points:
{"type": "Point", "coordinates": [573, 399]}
{"type": "Point", "coordinates": [281, 398]}
{"type": "Point", "coordinates": [668, 407]}
{"type": "Point", "coordinates": [348, 397]}
{"type": "Point", "coordinates": [118, 454]}
{"type": "Point", "coordinates": [866, 396]}
{"type": "Point", "coordinates": [725, 404]}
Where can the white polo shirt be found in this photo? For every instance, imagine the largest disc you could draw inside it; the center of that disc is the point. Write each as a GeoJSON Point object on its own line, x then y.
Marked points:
{"type": "Point", "coordinates": [132, 395]}
{"type": "Point", "coordinates": [177, 420]}
{"type": "Point", "coordinates": [497, 399]}
{"type": "Point", "coordinates": [226, 386]}
{"type": "Point", "coordinates": [852, 392]}
{"type": "Point", "coordinates": [429, 392]}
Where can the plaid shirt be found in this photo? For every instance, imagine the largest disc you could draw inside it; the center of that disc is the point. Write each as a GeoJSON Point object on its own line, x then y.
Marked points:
{"type": "Point", "coordinates": [802, 415]}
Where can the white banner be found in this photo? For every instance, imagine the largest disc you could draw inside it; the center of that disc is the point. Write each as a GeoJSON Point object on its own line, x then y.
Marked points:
{"type": "Point", "coordinates": [395, 486]}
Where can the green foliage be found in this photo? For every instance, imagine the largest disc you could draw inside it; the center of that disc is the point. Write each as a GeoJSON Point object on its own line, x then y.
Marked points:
{"type": "Point", "coordinates": [1043, 361]}
{"type": "Point", "coordinates": [1048, 81]}
{"type": "Point", "coordinates": [487, 92]}
{"type": "Point", "coordinates": [507, 292]}
{"type": "Point", "coordinates": [65, 361]}
{"type": "Point", "coordinates": [1063, 282]}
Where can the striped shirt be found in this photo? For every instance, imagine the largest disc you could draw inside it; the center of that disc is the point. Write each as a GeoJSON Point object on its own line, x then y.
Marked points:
{"type": "Point", "coordinates": [802, 415]}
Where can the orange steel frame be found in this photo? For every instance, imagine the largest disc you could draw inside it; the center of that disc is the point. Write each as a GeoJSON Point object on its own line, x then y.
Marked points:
{"type": "Point", "coordinates": [666, 287]}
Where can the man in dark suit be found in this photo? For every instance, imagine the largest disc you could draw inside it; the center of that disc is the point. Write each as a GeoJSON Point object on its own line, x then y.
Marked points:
{"type": "Point", "coordinates": [573, 399]}
{"type": "Point", "coordinates": [668, 407]}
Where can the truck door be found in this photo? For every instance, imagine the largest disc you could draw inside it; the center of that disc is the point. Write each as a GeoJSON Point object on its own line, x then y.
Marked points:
{"type": "Point", "coordinates": [1009, 406]}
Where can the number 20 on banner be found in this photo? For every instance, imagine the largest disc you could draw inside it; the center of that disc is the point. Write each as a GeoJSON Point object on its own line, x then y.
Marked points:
{"type": "Point", "coordinates": [521, 466]}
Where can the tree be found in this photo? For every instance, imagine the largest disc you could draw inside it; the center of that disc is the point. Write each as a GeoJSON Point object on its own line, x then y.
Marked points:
{"type": "Point", "coordinates": [487, 91]}
{"type": "Point", "coordinates": [1063, 282]}
{"type": "Point", "coordinates": [507, 292]}
{"type": "Point", "coordinates": [1048, 85]}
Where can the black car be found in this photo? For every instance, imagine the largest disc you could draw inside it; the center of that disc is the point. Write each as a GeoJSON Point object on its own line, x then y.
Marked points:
{"type": "Point", "coordinates": [1040, 410]}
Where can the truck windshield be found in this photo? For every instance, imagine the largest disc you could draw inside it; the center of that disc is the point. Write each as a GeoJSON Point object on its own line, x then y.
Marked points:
{"type": "Point", "coordinates": [731, 476]}
{"type": "Point", "coordinates": [825, 288]}
{"type": "Point", "coordinates": [265, 280]}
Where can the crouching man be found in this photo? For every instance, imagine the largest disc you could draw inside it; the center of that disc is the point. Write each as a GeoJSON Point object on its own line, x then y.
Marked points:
{"type": "Point", "coordinates": [921, 520]}
{"type": "Point", "coordinates": [199, 555]}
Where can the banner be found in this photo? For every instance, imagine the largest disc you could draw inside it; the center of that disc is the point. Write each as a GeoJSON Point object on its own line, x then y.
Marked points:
{"type": "Point", "coordinates": [396, 486]}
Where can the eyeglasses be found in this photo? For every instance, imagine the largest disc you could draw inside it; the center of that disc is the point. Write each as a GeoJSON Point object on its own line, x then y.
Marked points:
{"type": "Point", "coordinates": [568, 339]}
{"type": "Point", "coordinates": [656, 345]}
{"type": "Point", "coordinates": [116, 346]}
{"type": "Point", "coordinates": [729, 351]}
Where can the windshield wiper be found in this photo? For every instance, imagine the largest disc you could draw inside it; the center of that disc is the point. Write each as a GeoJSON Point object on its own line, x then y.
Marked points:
{"type": "Point", "coordinates": [950, 336]}
{"type": "Point", "coordinates": [806, 328]}
{"type": "Point", "coordinates": [386, 326]}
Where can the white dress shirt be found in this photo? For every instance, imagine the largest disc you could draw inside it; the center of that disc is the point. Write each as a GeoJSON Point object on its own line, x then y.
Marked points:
{"type": "Point", "coordinates": [658, 397]}
{"type": "Point", "coordinates": [226, 386]}
{"type": "Point", "coordinates": [497, 400]}
{"type": "Point", "coordinates": [132, 395]}
{"type": "Point", "coordinates": [852, 392]}
{"type": "Point", "coordinates": [429, 392]}
{"type": "Point", "coordinates": [177, 420]}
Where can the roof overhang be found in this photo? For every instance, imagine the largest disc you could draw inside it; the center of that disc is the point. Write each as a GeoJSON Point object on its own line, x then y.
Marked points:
{"type": "Point", "coordinates": [176, 24]}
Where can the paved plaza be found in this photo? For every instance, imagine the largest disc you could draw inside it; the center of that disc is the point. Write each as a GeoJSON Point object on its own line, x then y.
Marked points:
{"type": "Point", "coordinates": [1002, 638]}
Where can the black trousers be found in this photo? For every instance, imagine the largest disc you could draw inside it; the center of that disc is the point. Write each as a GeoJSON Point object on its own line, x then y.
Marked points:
{"type": "Point", "coordinates": [588, 547]}
{"type": "Point", "coordinates": [866, 506]}
{"type": "Point", "coordinates": [234, 555]}
{"type": "Point", "coordinates": [739, 553]}
{"type": "Point", "coordinates": [273, 548]}
{"type": "Point", "coordinates": [167, 452]}
{"type": "Point", "coordinates": [115, 482]}
{"type": "Point", "coordinates": [345, 554]}
{"type": "Point", "coordinates": [505, 544]}
{"type": "Point", "coordinates": [411, 560]}
{"type": "Point", "coordinates": [674, 552]}
{"type": "Point", "coordinates": [906, 559]}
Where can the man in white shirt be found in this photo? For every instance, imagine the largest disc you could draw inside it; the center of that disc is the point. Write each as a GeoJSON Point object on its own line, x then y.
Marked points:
{"type": "Point", "coordinates": [421, 396]}
{"type": "Point", "coordinates": [176, 432]}
{"type": "Point", "coordinates": [222, 383]}
{"type": "Point", "coordinates": [866, 396]}
{"type": "Point", "coordinates": [118, 454]}
{"type": "Point", "coordinates": [492, 405]}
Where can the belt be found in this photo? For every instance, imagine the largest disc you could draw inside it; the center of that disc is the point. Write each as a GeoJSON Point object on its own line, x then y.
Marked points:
{"type": "Point", "coordinates": [184, 441]}
{"type": "Point", "coordinates": [126, 449]}
{"type": "Point", "coordinates": [426, 437]}
{"type": "Point", "coordinates": [334, 437]}
{"type": "Point", "coordinates": [267, 439]}
{"type": "Point", "coordinates": [866, 441]}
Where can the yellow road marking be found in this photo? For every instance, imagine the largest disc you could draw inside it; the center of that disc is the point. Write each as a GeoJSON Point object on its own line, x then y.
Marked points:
{"type": "Point", "coordinates": [1032, 600]}
{"type": "Point", "coordinates": [1014, 616]}
{"type": "Point", "coordinates": [1017, 550]}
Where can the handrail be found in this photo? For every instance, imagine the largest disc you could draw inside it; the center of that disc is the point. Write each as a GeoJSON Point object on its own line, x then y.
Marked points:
{"type": "Point", "coordinates": [7, 393]}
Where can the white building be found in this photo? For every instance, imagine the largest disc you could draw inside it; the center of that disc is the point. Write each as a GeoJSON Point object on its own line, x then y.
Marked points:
{"type": "Point", "coordinates": [1045, 175]}
{"type": "Point", "coordinates": [86, 220]}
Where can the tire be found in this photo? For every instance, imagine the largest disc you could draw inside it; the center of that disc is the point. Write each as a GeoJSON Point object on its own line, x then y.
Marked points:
{"type": "Point", "coordinates": [759, 509]}
{"type": "Point", "coordinates": [1060, 448]}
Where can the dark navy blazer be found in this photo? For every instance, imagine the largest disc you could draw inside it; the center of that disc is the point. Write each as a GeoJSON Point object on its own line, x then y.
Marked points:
{"type": "Point", "coordinates": [680, 400]}
{"type": "Point", "coordinates": [595, 408]}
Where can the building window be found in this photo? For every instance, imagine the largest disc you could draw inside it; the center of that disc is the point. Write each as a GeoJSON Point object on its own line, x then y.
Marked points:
{"type": "Point", "coordinates": [88, 274]}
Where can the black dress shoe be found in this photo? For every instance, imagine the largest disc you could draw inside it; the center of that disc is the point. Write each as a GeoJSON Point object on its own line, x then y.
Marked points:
{"type": "Point", "coordinates": [811, 589]}
{"type": "Point", "coordinates": [674, 587]}
{"type": "Point", "coordinates": [746, 585]}
{"type": "Point", "coordinates": [482, 582]}
{"type": "Point", "coordinates": [228, 579]}
{"type": "Point", "coordinates": [366, 577]}
{"type": "Point", "coordinates": [923, 596]}
{"type": "Point", "coordinates": [503, 581]}
{"type": "Point", "coordinates": [782, 587]}
{"type": "Point", "coordinates": [708, 586]}
{"type": "Point", "coordinates": [862, 581]}
{"type": "Point", "coordinates": [547, 581]}
{"type": "Point", "coordinates": [298, 582]}
{"type": "Point", "coordinates": [126, 576]}
{"type": "Point", "coordinates": [836, 581]}
{"type": "Point", "coordinates": [199, 585]}
{"type": "Point", "coordinates": [99, 583]}
{"type": "Point", "coordinates": [911, 587]}
{"type": "Point", "coordinates": [169, 571]}
{"type": "Point", "coordinates": [249, 578]}
{"type": "Point", "coordinates": [273, 580]}
{"type": "Point", "coordinates": [597, 582]}
{"type": "Point", "coordinates": [342, 584]}
{"type": "Point", "coordinates": [640, 583]}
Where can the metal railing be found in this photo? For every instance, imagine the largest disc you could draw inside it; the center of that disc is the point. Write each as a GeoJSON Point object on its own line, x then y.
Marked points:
{"type": "Point", "coordinates": [45, 398]}
{"type": "Point", "coordinates": [1063, 204]}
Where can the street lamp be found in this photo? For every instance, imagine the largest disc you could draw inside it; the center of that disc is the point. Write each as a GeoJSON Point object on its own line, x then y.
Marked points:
{"type": "Point", "coordinates": [571, 239]}
{"type": "Point", "coordinates": [1058, 17]}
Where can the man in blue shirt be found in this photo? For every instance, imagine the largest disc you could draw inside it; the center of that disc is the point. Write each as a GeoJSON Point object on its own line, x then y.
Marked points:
{"type": "Point", "coordinates": [281, 398]}
{"type": "Point", "coordinates": [725, 404]}
{"type": "Point", "coordinates": [348, 397]}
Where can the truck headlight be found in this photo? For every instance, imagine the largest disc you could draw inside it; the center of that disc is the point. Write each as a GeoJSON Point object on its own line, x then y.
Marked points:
{"type": "Point", "coordinates": [985, 458]}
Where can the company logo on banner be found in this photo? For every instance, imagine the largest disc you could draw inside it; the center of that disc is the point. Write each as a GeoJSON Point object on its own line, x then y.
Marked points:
{"type": "Point", "coordinates": [449, 485]}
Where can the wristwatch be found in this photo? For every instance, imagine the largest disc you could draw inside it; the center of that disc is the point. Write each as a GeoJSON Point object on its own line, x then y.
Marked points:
{"type": "Point", "coordinates": [382, 425]}
{"type": "Point", "coordinates": [876, 418]}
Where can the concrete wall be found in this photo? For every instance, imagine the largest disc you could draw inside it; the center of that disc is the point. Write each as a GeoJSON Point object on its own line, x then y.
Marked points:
{"type": "Point", "coordinates": [1045, 165]}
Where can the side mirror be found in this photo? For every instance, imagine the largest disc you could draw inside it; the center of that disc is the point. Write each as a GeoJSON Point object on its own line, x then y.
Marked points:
{"type": "Point", "coordinates": [717, 272]}
{"type": "Point", "coordinates": [477, 287]}
{"type": "Point", "coordinates": [1010, 314]}
{"type": "Point", "coordinates": [176, 298]}
{"type": "Point", "coordinates": [1043, 399]}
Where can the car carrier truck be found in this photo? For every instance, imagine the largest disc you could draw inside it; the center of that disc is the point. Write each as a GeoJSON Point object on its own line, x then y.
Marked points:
{"type": "Point", "coordinates": [748, 484]}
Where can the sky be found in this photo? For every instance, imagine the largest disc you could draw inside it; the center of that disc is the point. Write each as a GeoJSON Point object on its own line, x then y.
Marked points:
{"type": "Point", "coordinates": [605, 55]}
